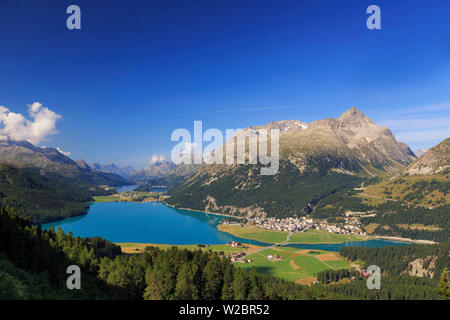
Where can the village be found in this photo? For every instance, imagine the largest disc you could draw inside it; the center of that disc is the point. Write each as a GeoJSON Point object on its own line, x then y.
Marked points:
{"type": "Point", "coordinates": [134, 196]}
{"type": "Point", "coordinates": [350, 225]}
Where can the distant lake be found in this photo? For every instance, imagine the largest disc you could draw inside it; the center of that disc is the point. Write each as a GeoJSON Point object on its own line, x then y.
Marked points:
{"type": "Point", "coordinates": [157, 223]}
{"type": "Point", "coordinates": [126, 188]}
{"type": "Point", "coordinates": [134, 186]}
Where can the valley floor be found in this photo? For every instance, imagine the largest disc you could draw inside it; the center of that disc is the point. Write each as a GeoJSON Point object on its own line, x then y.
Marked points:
{"type": "Point", "coordinates": [292, 264]}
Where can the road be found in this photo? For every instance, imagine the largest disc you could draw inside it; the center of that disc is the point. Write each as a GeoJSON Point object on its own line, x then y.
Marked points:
{"type": "Point", "coordinates": [283, 243]}
{"type": "Point", "coordinates": [272, 246]}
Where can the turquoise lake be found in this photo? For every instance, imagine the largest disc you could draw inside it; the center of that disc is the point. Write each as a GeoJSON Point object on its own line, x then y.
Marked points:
{"type": "Point", "coordinates": [157, 223]}
{"type": "Point", "coordinates": [150, 222]}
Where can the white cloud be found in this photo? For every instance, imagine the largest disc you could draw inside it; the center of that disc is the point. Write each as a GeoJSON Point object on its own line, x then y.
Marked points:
{"type": "Point", "coordinates": [63, 152]}
{"type": "Point", "coordinates": [422, 136]}
{"type": "Point", "coordinates": [428, 108]}
{"type": "Point", "coordinates": [157, 159]}
{"type": "Point", "coordinates": [419, 127]}
{"type": "Point", "coordinates": [41, 124]}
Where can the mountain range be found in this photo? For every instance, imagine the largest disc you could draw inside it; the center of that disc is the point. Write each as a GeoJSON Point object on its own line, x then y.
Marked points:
{"type": "Point", "coordinates": [125, 172]}
{"type": "Point", "coordinates": [47, 185]}
{"type": "Point", "coordinates": [316, 160]}
{"type": "Point", "coordinates": [23, 154]}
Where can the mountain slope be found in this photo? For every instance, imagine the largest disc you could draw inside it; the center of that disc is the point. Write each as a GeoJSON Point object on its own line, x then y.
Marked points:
{"type": "Point", "coordinates": [23, 154]}
{"type": "Point", "coordinates": [425, 182]}
{"type": "Point", "coordinates": [316, 160]}
{"type": "Point", "coordinates": [435, 160]}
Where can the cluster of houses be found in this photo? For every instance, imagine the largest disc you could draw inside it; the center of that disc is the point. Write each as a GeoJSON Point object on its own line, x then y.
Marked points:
{"type": "Point", "coordinates": [239, 257]}
{"type": "Point", "coordinates": [285, 224]}
{"type": "Point", "coordinates": [302, 224]}
{"type": "Point", "coordinates": [141, 196]}
{"type": "Point", "coordinates": [130, 194]}
{"type": "Point", "coordinates": [274, 257]}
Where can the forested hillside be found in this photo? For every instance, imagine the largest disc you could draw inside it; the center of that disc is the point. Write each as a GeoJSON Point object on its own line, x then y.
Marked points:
{"type": "Point", "coordinates": [244, 191]}
{"type": "Point", "coordinates": [44, 198]}
{"type": "Point", "coordinates": [387, 218]}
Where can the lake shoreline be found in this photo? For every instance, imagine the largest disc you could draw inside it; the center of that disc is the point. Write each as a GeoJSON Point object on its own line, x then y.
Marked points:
{"type": "Point", "coordinates": [418, 241]}
{"type": "Point", "coordinates": [202, 211]}
{"type": "Point", "coordinates": [367, 237]}
{"type": "Point", "coordinates": [147, 223]}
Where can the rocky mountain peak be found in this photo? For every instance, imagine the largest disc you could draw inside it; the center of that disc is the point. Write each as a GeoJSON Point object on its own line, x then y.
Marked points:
{"type": "Point", "coordinates": [354, 117]}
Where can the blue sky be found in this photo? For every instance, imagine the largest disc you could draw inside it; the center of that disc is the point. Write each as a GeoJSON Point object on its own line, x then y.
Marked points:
{"type": "Point", "coordinates": [137, 70]}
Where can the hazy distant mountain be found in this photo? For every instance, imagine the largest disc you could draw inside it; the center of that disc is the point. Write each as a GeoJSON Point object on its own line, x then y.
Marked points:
{"type": "Point", "coordinates": [156, 170]}
{"type": "Point", "coordinates": [23, 154]}
{"type": "Point", "coordinates": [125, 172]}
{"type": "Point", "coordinates": [420, 152]}
{"type": "Point", "coordinates": [316, 159]}
{"type": "Point", "coordinates": [112, 168]}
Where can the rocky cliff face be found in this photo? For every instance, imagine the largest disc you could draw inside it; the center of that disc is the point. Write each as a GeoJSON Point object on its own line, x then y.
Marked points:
{"type": "Point", "coordinates": [352, 143]}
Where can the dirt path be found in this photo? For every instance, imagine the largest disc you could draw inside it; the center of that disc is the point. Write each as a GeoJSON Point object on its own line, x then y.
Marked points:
{"type": "Point", "coordinates": [293, 265]}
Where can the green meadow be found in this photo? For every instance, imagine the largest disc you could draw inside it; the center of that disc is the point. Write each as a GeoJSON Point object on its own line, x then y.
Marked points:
{"type": "Point", "coordinates": [296, 264]}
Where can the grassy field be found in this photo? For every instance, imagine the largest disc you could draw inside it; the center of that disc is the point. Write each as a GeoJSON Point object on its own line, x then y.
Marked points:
{"type": "Point", "coordinates": [270, 236]}
{"type": "Point", "coordinates": [139, 197]}
{"type": "Point", "coordinates": [296, 264]}
{"type": "Point", "coordinates": [138, 247]}
{"type": "Point", "coordinates": [111, 198]}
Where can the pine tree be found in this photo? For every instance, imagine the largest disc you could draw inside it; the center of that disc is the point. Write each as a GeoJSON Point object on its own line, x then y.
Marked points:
{"type": "Point", "coordinates": [185, 288]}
{"type": "Point", "coordinates": [444, 285]}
